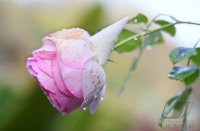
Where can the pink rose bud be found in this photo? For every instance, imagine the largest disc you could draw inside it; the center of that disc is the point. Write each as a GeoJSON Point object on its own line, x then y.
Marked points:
{"type": "Point", "coordinates": [69, 69]}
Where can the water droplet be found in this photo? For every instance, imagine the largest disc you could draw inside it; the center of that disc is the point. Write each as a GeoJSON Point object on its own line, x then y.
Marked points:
{"type": "Point", "coordinates": [135, 20]}
{"type": "Point", "coordinates": [95, 97]}
{"type": "Point", "coordinates": [84, 108]}
{"type": "Point", "coordinates": [135, 38]}
{"type": "Point", "coordinates": [148, 47]}
{"type": "Point", "coordinates": [93, 73]}
{"type": "Point", "coordinates": [142, 33]}
{"type": "Point", "coordinates": [183, 55]}
{"type": "Point", "coordinates": [102, 98]}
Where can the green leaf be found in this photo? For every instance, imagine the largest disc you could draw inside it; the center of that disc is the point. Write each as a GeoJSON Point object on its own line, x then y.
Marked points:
{"type": "Point", "coordinates": [140, 18]}
{"type": "Point", "coordinates": [181, 73]}
{"type": "Point", "coordinates": [171, 29]}
{"type": "Point", "coordinates": [130, 45]}
{"type": "Point", "coordinates": [175, 103]}
{"type": "Point", "coordinates": [196, 57]}
{"type": "Point", "coordinates": [180, 54]}
{"type": "Point", "coordinates": [192, 78]}
{"type": "Point", "coordinates": [154, 38]}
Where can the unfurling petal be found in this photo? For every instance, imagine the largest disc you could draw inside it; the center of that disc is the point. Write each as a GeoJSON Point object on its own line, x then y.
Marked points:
{"type": "Point", "coordinates": [103, 41]}
{"type": "Point", "coordinates": [93, 79]}
{"type": "Point", "coordinates": [94, 104]}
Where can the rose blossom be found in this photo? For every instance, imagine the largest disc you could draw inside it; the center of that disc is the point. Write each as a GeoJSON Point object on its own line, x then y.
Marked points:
{"type": "Point", "coordinates": [68, 66]}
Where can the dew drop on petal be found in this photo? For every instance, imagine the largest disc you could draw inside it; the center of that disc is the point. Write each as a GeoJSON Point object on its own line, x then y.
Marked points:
{"type": "Point", "coordinates": [93, 73]}
{"type": "Point", "coordinates": [95, 97]}
{"type": "Point", "coordinates": [84, 108]}
{"type": "Point", "coordinates": [102, 98]}
{"type": "Point", "coordinates": [183, 55]}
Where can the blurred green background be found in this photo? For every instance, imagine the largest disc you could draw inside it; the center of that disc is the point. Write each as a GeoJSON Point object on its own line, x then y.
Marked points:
{"type": "Point", "coordinates": [23, 106]}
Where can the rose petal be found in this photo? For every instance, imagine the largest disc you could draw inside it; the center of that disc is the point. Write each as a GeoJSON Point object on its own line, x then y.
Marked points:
{"type": "Point", "coordinates": [93, 81]}
{"type": "Point", "coordinates": [72, 79]}
{"type": "Point", "coordinates": [74, 33]}
{"type": "Point", "coordinates": [32, 67]}
{"type": "Point", "coordinates": [65, 104]}
{"type": "Point", "coordinates": [74, 53]}
{"type": "Point", "coordinates": [59, 80]}
{"type": "Point", "coordinates": [45, 65]}
{"type": "Point", "coordinates": [95, 104]}
{"type": "Point", "coordinates": [46, 82]}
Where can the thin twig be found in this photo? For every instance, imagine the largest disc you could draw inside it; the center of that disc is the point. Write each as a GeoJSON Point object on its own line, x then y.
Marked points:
{"type": "Point", "coordinates": [149, 32]}
{"type": "Point", "coordinates": [131, 70]}
{"type": "Point", "coordinates": [159, 15]}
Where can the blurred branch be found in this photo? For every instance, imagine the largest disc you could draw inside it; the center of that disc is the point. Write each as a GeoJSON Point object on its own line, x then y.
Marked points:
{"type": "Point", "coordinates": [149, 32]}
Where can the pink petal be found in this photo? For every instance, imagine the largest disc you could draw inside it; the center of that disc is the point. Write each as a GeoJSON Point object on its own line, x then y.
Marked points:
{"type": "Point", "coordinates": [74, 53]}
{"type": "Point", "coordinates": [58, 79]}
{"type": "Point", "coordinates": [45, 65]}
{"type": "Point", "coordinates": [60, 101]}
{"type": "Point", "coordinates": [74, 33]}
{"type": "Point", "coordinates": [93, 81]}
{"type": "Point", "coordinates": [44, 57]}
{"type": "Point", "coordinates": [72, 79]}
{"type": "Point", "coordinates": [65, 104]}
{"type": "Point", "coordinates": [95, 104]}
{"type": "Point", "coordinates": [46, 82]}
{"type": "Point", "coordinates": [47, 51]}
{"type": "Point", "coordinates": [32, 67]}
{"type": "Point", "coordinates": [49, 42]}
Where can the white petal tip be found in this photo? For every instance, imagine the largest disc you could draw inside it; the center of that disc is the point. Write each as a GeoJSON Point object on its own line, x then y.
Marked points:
{"type": "Point", "coordinates": [104, 40]}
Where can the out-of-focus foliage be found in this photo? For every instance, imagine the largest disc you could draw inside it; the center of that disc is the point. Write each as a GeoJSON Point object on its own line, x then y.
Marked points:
{"type": "Point", "coordinates": [175, 103]}
{"type": "Point", "coordinates": [154, 38]}
{"type": "Point", "coordinates": [196, 57]}
{"type": "Point", "coordinates": [181, 73]}
{"type": "Point", "coordinates": [171, 30]}
{"type": "Point", "coordinates": [150, 37]}
{"type": "Point", "coordinates": [140, 18]}
{"type": "Point", "coordinates": [181, 53]}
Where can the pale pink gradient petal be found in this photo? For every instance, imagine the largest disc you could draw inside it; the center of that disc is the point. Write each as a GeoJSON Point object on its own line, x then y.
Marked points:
{"type": "Point", "coordinates": [95, 104]}
{"type": "Point", "coordinates": [65, 104]}
{"type": "Point", "coordinates": [72, 79]}
{"type": "Point", "coordinates": [93, 78]}
{"type": "Point", "coordinates": [32, 67]}
{"type": "Point", "coordinates": [59, 80]}
{"type": "Point", "coordinates": [74, 53]}
{"type": "Point", "coordinates": [50, 42]}
{"type": "Point", "coordinates": [45, 65]}
{"type": "Point", "coordinates": [44, 54]}
{"type": "Point", "coordinates": [46, 82]}
{"type": "Point", "coordinates": [74, 33]}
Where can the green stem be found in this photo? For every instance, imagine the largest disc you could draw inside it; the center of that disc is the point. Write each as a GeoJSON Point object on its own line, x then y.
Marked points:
{"type": "Point", "coordinates": [149, 32]}
{"type": "Point", "coordinates": [184, 126]}
{"type": "Point", "coordinates": [131, 70]}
